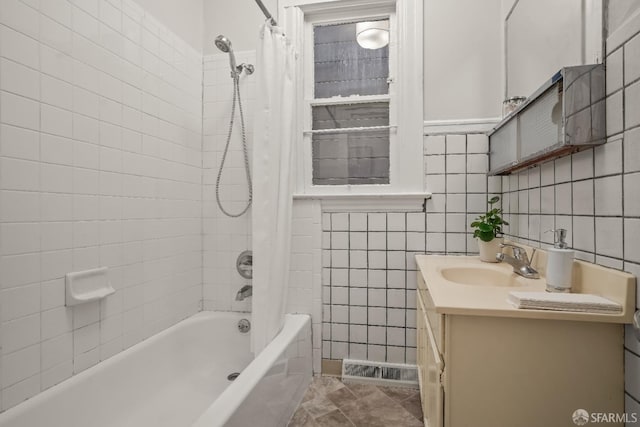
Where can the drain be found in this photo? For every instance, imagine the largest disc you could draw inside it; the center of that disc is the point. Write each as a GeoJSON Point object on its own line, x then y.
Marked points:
{"type": "Point", "coordinates": [233, 376]}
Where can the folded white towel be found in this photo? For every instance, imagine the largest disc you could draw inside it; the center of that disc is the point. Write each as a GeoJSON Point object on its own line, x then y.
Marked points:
{"type": "Point", "coordinates": [564, 302]}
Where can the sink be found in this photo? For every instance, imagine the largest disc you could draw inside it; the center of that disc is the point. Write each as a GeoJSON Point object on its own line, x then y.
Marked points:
{"type": "Point", "coordinates": [480, 276]}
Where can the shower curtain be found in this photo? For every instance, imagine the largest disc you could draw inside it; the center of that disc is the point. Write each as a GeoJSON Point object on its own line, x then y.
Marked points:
{"type": "Point", "coordinates": [272, 186]}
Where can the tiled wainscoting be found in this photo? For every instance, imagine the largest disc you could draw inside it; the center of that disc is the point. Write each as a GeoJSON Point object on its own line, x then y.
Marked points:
{"type": "Point", "coordinates": [100, 165]}
{"type": "Point", "coordinates": [593, 193]}
{"type": "Point", "coordinates": [369, 285]}
{"type": "Point", "coordinates": [368, 267]}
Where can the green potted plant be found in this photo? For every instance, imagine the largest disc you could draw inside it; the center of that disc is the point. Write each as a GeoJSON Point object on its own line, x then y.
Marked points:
{"type": "Point", "coordinates": [487, 228]}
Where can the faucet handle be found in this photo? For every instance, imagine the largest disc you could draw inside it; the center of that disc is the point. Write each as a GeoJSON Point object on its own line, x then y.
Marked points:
{"type": "Point", "coordinates": [519, 253]}
{"type": "Point", "coordinates": [517, 250]}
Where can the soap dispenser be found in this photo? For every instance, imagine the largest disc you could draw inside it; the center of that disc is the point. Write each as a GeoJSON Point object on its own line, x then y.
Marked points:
{"type": "Point", "coordinates": [559, 263]}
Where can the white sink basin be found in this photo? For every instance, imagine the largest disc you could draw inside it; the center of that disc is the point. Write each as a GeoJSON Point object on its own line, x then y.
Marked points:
{"type": "Point", "coordinates": [480, 276]}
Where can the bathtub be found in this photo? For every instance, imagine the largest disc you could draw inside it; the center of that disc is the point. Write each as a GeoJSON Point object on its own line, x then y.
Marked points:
{"type": "Point", "coordinates": [179, 378]}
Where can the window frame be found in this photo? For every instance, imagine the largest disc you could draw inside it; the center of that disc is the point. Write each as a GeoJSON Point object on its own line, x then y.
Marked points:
{"type": "Point", "coordinates": [406, 167]}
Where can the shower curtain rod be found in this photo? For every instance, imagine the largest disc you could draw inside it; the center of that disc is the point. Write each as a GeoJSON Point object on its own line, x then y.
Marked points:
{"type": "Point", "coordinates": [266, 12]}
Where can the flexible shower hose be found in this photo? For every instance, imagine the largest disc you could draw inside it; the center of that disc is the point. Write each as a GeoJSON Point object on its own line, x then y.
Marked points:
{"type": "Point", "coordinates": [236, 97]}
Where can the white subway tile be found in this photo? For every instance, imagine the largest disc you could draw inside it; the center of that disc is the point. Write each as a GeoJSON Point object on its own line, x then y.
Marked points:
{"type": "Point", "coordinates": [20, 365]}
{"type": "Point", "coordinates": [19, 206]}
{"type": "Point", "coordinates": [19, 143]}
{"type": "Point", "coordinates": [56, 374]}
{"type": "Point", "coordinates": [56, 178]}
{"type": "Point", "coordinates": [55, 264]}
{"type": "Point", "coordinates": [16, 174]}
{"type": "Point", "coordinates": [110, 15]}
{"type": "Point", "coordinates": [19, 238]}
{"type": "Point", "coordinates": [21, 391]}
{"type": "Point", "coordinates": [20, 333]}
{"type": "Point", "coordinates": [19, 16]}
{"type": "Point", "coordinates": [19, 111]}
{"type": "Point", "coordinates": [55, 35]}
{"type": "Point", "coordinates": [19, 47]}
{"type": "Point", "coordinates": [56, 92]}
{"type": "Point", "coordinates": [56, 207]}
{"type": "Point", "coordinates": [19, 270]}
{"type": "Point", "coordinates": [55, 149]}
{"type": "Point", "coordinates": [58, 10]}
{"type": "Point", "coordinates": [56, 235]}
{"type": "Point", "coordinates": [56, 121]}
{"type": "Point", "coordinates": [19, 79]}
{"type": "Point", "coordinates": [19, 302]}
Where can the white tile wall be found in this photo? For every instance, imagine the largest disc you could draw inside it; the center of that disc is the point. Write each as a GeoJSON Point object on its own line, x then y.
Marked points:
{"type": "Point", "coordinates": [100, 165]}
{"type": "Point", "coordinates": [600, 209]}
{"type": "Point", "coordinates": [224, 237]}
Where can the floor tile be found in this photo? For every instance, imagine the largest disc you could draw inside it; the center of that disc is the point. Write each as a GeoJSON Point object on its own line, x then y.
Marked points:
{"type": "Point", "coordinates": [334, 419]}
{"type": "Point", "coordinates": [329, 402]}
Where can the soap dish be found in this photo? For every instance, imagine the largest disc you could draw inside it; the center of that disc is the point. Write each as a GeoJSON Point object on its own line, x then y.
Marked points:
{"type": "Point", "coordinates": [87, 285]}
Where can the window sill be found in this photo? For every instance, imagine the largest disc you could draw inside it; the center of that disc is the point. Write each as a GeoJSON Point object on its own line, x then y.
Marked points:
{"type": "Point", "coordinates": [361, 202]}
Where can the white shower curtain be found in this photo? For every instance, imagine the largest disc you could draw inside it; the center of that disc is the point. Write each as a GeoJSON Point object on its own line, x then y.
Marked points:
{"type": "Point", "coordinates": [272, 185]}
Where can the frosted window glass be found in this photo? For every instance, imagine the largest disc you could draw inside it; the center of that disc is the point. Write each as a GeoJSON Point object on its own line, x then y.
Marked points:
{"type": "Point", "coordinates": [343, 68]}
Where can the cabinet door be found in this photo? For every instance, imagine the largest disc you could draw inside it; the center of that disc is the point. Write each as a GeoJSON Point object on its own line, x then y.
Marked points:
{"type": "Point", "coordinates": [431, 366]}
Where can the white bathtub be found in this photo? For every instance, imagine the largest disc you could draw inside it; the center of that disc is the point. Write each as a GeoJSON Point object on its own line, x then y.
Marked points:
{"type": "Point", "coordinates": [179, 378]}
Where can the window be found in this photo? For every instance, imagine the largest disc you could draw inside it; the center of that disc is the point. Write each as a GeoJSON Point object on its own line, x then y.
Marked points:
{"type": "Point", "coordinates": [361, 111]}
{"type": "Point", "coordinates": [350, 135]}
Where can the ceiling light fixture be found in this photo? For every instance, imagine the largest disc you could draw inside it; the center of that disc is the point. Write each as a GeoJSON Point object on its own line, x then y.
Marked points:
{"type": "Point", "coordinates": [372, 35]}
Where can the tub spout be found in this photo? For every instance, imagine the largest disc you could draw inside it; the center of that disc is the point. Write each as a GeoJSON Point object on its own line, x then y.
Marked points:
{"type": "Point", "coordinates": [244, 292]}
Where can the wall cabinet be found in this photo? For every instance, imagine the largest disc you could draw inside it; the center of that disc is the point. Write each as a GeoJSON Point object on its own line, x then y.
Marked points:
{"type": "Point", "coordinates": [499, 371]}
{"type": "Point", "coordinates": [564, 115]}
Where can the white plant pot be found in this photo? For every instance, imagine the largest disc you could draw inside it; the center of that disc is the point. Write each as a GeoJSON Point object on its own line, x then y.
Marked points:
{"type": "Point", "coordinates": [488, 250]}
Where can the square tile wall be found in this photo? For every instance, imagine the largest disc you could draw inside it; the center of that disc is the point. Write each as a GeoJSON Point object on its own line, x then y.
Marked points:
{"type": "Point", "coordinates": [593, 193]}
{"type": "Point", "coordinates": [100, 165]}
{"type": "Point", "coordinates": [369, 284]}
{"type": "Point", "coordinates": [368, 267]}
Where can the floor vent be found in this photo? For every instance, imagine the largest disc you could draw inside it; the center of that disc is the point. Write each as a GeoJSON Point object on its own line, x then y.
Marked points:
{"type": "Point", "coordinates": [388, 374]}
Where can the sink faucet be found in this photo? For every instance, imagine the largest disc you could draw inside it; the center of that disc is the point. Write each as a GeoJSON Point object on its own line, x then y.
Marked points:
{"type": "Point", "coordinates": [245, 292]}
{"type": "Point", "coordinates": [519, 261]}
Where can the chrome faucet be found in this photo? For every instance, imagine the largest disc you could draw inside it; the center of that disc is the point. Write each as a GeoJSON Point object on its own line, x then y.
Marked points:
{"type": "Point", "coordinates": [519, 261]}
{"type": "Point", "coordinates": [245, 292]}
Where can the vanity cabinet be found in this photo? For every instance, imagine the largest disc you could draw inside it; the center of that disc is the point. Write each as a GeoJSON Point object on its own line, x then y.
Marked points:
{"type": "Point", "coordinates": [495, 370]}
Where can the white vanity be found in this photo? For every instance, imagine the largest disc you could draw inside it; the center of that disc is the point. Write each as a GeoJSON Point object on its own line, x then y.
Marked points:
{"type": "Point", "coordinates": [483, 362]}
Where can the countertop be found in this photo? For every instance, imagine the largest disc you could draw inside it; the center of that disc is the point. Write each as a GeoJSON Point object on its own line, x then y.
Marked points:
{"type": "Point", "coordinates": [479, 300]}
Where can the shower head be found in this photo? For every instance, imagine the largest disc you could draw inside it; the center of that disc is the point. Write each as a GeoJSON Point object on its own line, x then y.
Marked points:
{"type": "Point", "coordinates": [224, 44]}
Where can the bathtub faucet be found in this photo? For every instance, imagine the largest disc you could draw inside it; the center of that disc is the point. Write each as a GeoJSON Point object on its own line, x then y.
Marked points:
{"type": "Point", "coordinates": [244, 292]}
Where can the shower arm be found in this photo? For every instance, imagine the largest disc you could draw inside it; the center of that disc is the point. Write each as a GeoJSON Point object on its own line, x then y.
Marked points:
{"type": "Point", "coordinates": [266, 12]}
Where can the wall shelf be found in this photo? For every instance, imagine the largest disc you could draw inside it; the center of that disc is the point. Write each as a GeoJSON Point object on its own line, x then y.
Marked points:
{"type": "Point", "coordinates": [564, 115]}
